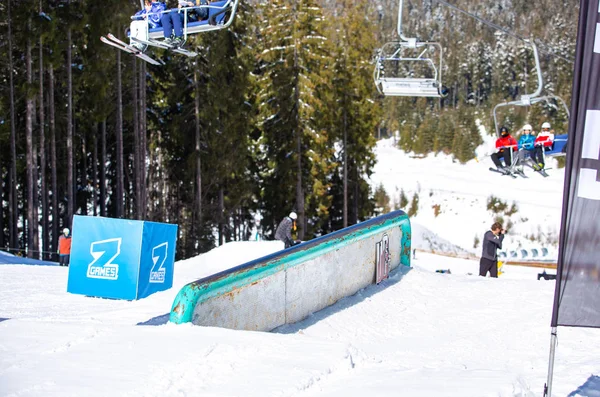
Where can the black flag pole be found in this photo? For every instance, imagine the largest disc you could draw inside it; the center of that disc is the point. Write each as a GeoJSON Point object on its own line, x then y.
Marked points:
{"type": "Point", "coordinates": [577, 291]}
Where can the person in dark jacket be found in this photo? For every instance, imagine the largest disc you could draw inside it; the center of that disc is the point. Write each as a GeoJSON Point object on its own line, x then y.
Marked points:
{"type": "Point", "coordinates": [492, 241]}
{"type": "Point", "coordinates": [284, 230]}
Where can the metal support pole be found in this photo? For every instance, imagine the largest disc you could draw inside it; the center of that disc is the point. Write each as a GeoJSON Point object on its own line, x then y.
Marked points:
{"type": "Point", "coordinates": [548, 385]}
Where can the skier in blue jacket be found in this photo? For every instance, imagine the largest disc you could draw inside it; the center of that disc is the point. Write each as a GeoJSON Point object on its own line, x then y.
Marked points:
{"type": "Point", "coordinates": [152, 12]}
{"type": "Point", "coordinates": [526, 144]}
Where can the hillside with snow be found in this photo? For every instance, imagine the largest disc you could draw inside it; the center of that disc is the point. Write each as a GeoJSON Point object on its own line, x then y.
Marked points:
{"type": "Point", "coordinates": [461, 193]}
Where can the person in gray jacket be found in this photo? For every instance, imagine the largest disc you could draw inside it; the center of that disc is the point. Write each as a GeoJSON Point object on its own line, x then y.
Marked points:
{"type": "Point", "coordinates": [492, 241]}
{"type": "Point", "coordinates": [284, 230]}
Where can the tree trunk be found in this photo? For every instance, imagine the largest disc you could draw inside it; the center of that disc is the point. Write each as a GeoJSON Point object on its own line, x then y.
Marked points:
{"type": "Point", "coordinates": [299, 188]}
{"type": "Point", "coordinates": [32, 239]}
{"type": "Point", "coordinates": [198, 151]}
{"type": "Point", "coordinates": [12, 194]}
{"type": "Point", "coordinates": [119, 138]}
{"type": "Point", "coordinates": [356, 198]}
{"type": "Point", "coordinates": [43, 187]}
{"type": "Point", "coordinates": [143, 142]}
{"type": "Point", "coordinates": [345, 216]}
{"type": "Point", "coordinates": [95, 171]}
{"type": "Point", "coordinates": [84, 170]}
{"type": "Point", "coordinates": [221, 215]}
{"type": "Point", "coordinates": [136, 142]}
{"type": "Point", "coordinates": [53, 161]}
{"type": "Point", "coordinates": [103, 170]}
{"type": "Point", "coordinates": [70, 185]}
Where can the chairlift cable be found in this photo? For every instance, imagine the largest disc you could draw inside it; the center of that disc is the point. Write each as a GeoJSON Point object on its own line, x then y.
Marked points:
{"type": "Point", "coordinates": [502, 29]}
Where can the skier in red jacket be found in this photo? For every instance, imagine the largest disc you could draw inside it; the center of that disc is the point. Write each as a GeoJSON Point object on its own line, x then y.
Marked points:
{"type": "Point", "coordinates": [506, 144]}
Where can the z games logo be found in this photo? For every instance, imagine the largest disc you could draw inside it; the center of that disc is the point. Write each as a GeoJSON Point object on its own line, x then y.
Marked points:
{"type": "Point", "coordinates": [104, 252]}
{"type": "Point", "coordinates": [382, 259]}
{"type": "Point", "coordinates": [589, 182]}
{"type": "Point", "coordinates": [159, 256]}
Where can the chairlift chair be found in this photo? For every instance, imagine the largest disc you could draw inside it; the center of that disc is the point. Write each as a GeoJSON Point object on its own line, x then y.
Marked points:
{"type": "Point", "coordinates": [394, 53]}
{"type": "Point", "coordinates": [220, 16]}
{"type": "Point", "coordinates": [558, 148]}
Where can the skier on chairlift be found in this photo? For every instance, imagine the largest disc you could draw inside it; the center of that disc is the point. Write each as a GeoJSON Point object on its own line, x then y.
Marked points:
{"type": "Point", "coordinates": [543, 141]}
{"type": "Point", "coordinates": [527, 148]}
{"type": "Point", "coordinates": [505, 145]}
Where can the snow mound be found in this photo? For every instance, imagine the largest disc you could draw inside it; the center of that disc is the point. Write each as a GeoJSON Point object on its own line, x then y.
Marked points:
{"type": "Point", "coordinates": [425, 240]}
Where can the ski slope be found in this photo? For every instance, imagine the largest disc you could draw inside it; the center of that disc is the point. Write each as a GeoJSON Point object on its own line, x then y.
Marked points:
{"type": "Point", "coordinates": [420, 333]}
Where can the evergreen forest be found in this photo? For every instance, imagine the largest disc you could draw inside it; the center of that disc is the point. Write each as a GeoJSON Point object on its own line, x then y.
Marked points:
{"type": "Point", "coordinates": [279, 112]}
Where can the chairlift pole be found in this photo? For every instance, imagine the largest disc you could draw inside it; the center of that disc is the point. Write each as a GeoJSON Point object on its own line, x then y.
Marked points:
{"type": "Point", "coordinates": [527, 98]}
{"type": "Point", "coordinates": [400, 32]}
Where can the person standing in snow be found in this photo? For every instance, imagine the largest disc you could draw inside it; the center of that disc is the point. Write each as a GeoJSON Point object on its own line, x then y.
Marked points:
{"type": "Point", "coordinates": [64, 248]}
{"type": "Point", "coordinates": [505, 145]}
{"type": "Point", "coordinates": [492, 241]}
{"type": "Point", "coordinates": [284, 230]}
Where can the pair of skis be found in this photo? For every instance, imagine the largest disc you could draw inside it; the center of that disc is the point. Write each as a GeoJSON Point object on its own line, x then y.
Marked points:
{"type": "Point", "coordinates": [166, 46]}
{"type": "Point", "coordinates": [513, 174]}
{"type": "Point", "coordinates": [505, 172]}
{"type": "Point", "coordinates": [111, 40]}
{"type": "Point", "coordinates": [121, 45]}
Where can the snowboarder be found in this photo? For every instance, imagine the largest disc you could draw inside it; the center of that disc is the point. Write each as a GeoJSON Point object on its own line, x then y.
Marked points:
{"type": "Point", "coordinates": [284, 230]}
{"type": "Point", "coordinates": [505, 145]}
{"type": "Point", "coordinates": [492, 241]}
{"type": "Point", "coordinates": [64, 248]}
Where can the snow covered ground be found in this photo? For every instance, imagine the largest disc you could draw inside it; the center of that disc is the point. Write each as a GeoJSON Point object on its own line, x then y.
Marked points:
{"type": "Point", "coordinates": [420, 333]}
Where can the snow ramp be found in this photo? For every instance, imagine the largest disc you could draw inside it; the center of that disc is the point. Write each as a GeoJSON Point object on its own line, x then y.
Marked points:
{"type": "Point", "coordinates": [289, 285]}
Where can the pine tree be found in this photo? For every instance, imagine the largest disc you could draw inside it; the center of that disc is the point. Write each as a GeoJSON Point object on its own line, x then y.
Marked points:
{"type": "Point", "coordinates": [293, 67]}
{"type": "Point", "coordinates": [353, 114]}
{"type": "Point", "coordinates": [414, 205]}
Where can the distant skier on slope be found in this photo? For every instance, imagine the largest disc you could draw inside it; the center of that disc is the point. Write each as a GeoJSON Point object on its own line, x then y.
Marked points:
{"type": "Point", "coordinates": [284, 230]}
{"type": "Point", "coordinates": [492, 242]}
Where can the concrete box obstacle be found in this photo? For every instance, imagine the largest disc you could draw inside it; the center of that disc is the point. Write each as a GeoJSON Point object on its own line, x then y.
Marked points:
{"type": "Point", "coordinates": [287, 286]}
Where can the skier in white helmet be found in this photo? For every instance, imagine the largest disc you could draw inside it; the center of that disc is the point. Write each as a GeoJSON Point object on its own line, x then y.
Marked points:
{"type": "Point", "coordinates": [543, 141]}
{"type": "Point", "coordinates": [64, 248]}
{"type": "Point", "coordinates": [526, 143]}
{"type": "Point", "coordinates": [284, 230]}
